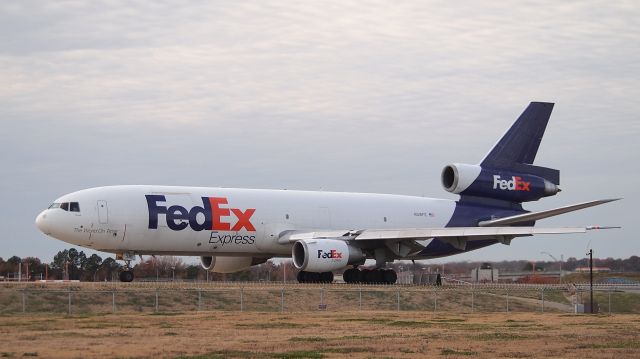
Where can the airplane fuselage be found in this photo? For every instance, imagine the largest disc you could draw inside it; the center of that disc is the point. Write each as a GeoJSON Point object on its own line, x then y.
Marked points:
{"type": "Point", "coordinates": [227, 221]}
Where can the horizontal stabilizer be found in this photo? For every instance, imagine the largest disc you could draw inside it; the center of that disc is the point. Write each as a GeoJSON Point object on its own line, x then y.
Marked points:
{"type": "Point", "coordinates": [595, 228]}
{"type": "Point", "coordinates": [534, 216]}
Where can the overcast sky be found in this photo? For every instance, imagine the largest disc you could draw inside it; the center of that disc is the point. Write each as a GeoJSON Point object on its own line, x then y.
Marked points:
{"type": "Point", "coordinates": [366, 96]}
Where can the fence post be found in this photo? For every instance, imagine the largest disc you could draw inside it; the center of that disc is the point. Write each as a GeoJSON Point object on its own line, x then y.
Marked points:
{"type": "Point", "coordinates": [472, 303]}
{"type": "Point", "coordinates": [609, 290]}
{"type": "Point", "coordinates": [507, 296]}
{"type": "Point", "coordinates": [360, 302]}
{"type": "Point", "coordinates": [580, 297]}
{"type": "Point", "coordinates": [199, 299]}
{"type": "Point", "coordinates": [113, 301]}
{"type": "Point", "coordinates": [542, 294]}
{"type": "Point", "coordinates": [156, 300]}
{"type": "Point", "coordinates": [282, 300]}
{"type": "Point", "coordinates": [435, 300]}
{"type": "Point", "coordinates": [398, 296]}
{"type": "Point", "coordinates": [24, 302]}
{"type": "Point", "coordinates": [242, 298]}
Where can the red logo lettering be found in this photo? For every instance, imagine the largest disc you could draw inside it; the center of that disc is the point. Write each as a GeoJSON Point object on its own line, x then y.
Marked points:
{"type": "Point", "coordinates": [520, 184]}
{"type": "Point", "coordinates": [218, 212]}
{"type": "Point", "coordinates": [244, 219]}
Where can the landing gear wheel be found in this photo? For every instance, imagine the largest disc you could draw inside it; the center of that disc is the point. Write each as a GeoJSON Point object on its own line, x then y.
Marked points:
{"type": "Point", "coordinates": [351, 275]}
{"type": "Point", "coordinates": [126, 276]}
{"type": "Point", "coordinates": [370, 276]}
{"type": "Point", "coordinates": [377, 276]}
{"type": "Point", "coordinates": [302, 277]}
{"type": "Point", "coordinates": [390, 276]}
{"type": "Point", "coordinates": [313, 277]}
{"type": "Point", "coordinates": [308, 277]}
{"type": "Point", "coordinates": [367, 276]}
{"type": "Point", "coordinates": [326, 277]}
{"type": "Point", "coordinates": [356, 277]}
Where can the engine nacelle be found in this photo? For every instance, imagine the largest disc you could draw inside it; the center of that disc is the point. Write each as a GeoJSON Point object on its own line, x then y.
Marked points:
{"type": "Point", "coordinates": [459, 176]}
{"type": "Point", "coordinates": [219, 264]}
{"type": "Point", "coordinates": [324, 255]}
{"type": "Point", "coordinates": [474, 180]}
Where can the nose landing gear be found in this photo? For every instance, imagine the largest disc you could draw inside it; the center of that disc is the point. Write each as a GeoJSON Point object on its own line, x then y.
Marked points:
{"type": "Point", "coordinates": [127, 274]}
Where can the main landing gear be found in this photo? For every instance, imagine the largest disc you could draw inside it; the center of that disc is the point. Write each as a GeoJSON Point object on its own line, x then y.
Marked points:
{"type": "Point", "coordinates": [370, 276]}
{"type": "Point", "coordinates": [352, 275]}
{"type": "Point", "coordinates": [313, 277]}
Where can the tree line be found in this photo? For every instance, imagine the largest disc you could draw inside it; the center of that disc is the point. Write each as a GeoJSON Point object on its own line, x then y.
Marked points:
{"type": "Point", "coordinates": [76, 265]}
{"type": "Point", "coordinates": [71, 264]}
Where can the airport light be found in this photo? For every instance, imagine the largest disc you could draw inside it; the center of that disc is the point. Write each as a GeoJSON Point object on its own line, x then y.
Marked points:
{"type": "Point", "coordinates": [555, 259]}
{"type": "Point", "coordinates": [590, 280]}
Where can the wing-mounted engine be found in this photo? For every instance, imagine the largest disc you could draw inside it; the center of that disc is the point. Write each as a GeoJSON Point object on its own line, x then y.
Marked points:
{"type": "Point", "coordinates": [509, 185]}
{"type": "Point", "coordinates": [324, 255]}
{"type": "Point", "coordinates": [220, 264]}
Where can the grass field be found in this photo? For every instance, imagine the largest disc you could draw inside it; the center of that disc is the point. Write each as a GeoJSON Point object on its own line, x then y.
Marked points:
{"type": "Point", "coordinates": [357, 334]}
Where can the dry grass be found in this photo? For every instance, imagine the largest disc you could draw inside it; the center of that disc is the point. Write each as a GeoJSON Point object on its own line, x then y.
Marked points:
{"type": "Point", "coordinates": [320, 335]}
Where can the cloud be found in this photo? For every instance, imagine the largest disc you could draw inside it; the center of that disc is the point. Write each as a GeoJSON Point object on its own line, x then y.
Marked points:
{"type": "Point", "coordinates": [306, 95]}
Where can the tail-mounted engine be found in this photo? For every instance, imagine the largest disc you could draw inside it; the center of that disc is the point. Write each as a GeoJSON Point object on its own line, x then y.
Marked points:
{"type": "Point", "coordinates": [514, 186]}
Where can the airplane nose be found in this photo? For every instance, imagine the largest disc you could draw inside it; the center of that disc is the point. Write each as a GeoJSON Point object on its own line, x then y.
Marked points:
{"type": "Point", "coordinates": [42, 223]}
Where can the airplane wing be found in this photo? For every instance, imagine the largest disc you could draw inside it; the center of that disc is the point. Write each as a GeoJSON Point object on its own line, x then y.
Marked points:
{"type": "Point", "coordinates": [471, 233]}
{"type": "Point", "coordinates": [408, 241]}
{"type": "Point", "coordinates": [405, 242]}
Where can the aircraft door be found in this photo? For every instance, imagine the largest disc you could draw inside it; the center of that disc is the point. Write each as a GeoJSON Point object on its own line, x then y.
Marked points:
{"type": "Point", "coordinates": [103, 212]}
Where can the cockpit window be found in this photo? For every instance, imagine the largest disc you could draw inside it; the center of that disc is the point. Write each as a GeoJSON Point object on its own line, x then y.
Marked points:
{"type": "Point", "coordinates": [74, 207]}
{"type": "Point", "coordinates": [67, 206]}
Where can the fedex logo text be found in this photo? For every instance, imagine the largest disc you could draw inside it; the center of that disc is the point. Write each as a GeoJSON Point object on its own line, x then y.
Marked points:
{"type": "Point", "coordinates": [213, 211]}
{"type": "Point", "coordinates": [515, 184]}
{"type": "Point", "coordinates": [332, 254]}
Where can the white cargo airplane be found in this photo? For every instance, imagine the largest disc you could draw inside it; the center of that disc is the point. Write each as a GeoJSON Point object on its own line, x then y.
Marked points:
{"type": "Point", "coordinates": [232, 229]}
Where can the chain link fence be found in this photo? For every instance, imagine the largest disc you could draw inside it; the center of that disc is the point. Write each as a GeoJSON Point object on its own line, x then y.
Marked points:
{"type": "Point", "coordinates": [81, 298]}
